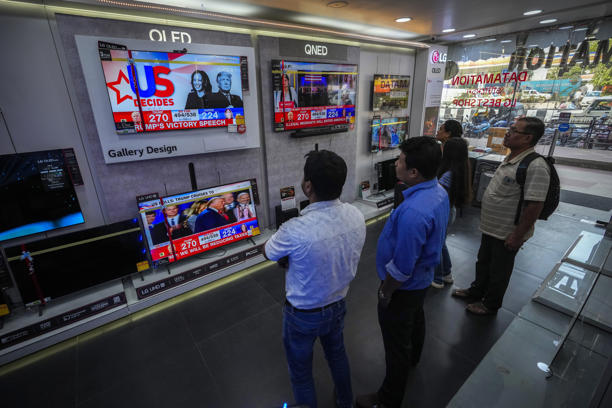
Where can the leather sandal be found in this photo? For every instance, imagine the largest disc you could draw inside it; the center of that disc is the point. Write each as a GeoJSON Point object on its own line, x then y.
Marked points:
{"type": "Point", "coordinates": [480, 309]}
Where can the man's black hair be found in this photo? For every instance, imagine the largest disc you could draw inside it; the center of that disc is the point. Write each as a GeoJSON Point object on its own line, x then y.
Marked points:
{"type": "Point", "coordinates": [534, 127]}
{"type": "Point", "coordinates": [327, 173]}
{"type": "Point", "coordinates": [424, 154]}
{"type": "Point", "coordinates": [453, 127]}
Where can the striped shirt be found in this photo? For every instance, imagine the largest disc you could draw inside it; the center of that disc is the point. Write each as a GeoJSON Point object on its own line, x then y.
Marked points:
{"type": "Point", "coordinates": [502, 196]}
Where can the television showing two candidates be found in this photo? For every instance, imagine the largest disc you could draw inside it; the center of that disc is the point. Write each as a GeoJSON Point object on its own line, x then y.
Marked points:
{"type": "Point", "coordinates": [312, 94]}
{"type": "Point", "coordinates": [388, 133]}
{"type": "Point", "coordinates": [157, 91]}
{"type": "Point", "coordinates": [182, 225]}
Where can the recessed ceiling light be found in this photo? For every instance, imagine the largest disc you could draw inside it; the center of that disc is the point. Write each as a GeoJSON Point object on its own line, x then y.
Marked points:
{"type": "Point", "coordinates": [550, 20]}
{"type": "Point", "coordinates": [490, 39]}
{"type": "Point", "coordinates": [532, 12]}
{"type": "Point", "coordinates": [403, 19]}
{"type": "Point", "coordinates": [337, 4]}
{"type": "Point", "coordinates": [581, 29]}
{"type": "Point", "coordinates": [448, 30]}
{"type": "Point", "coordinates": [533, 45]}
{"type": "Point", "coordinates": [505, 41]}
{"type": "Point", "coordinates": [565, 27]}
{"type": "Point", "coordinates": [469, 36]}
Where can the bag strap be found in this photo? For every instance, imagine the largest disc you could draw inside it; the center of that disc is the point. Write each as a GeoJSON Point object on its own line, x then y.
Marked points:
{"type": "Point", "coordinates": [521, 177]}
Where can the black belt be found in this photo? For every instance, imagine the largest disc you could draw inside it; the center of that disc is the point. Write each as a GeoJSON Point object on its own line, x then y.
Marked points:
{"type": "Point", "coordinates": [316, 309]}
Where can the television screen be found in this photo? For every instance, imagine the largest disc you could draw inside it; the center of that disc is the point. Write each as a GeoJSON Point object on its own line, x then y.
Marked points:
{"type": "Point", "coordinates": [183, 225]}
{"type": "Point", "coordinates": [157, 91]}
{"type": "Point", "coordinates": [312, 94]}
{"type": "Point", "coordinates": [388, 133]}
{"type": "Point", "coordinates": [37, 194]}
{"type": "Point", "coordinates": [79, 260]}
{"type": "Point", "coordinates": [390, 92]}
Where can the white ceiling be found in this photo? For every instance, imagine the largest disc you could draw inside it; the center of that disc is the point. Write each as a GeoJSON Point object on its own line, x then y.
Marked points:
{"type": "Point", "coordinates": [377, 17]}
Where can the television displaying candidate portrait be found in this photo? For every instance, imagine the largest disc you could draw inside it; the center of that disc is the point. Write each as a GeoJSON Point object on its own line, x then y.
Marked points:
{"type": "Point", "coordinates": [182, 225]}
{"type": "Point", "coordinates": [158, 91]}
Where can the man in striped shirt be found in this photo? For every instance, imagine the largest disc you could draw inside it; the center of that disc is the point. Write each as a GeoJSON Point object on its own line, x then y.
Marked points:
{"type": "Point", "coordinates": [501, 238]}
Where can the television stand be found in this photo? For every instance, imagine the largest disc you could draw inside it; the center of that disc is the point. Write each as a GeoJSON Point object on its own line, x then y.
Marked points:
{"type": "Point", "coordinates": [252, 241]}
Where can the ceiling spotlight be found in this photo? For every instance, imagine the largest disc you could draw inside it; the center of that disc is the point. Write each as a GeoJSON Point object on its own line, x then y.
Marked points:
{"type": "Point", "coordinates": [581, 29]}
{"type": "Point", "coordinates": [532, 12]}
{"type": "Point", "coordinates": [532, 45]}
{"type": "Point", "coordinates": [469, 36]}
{"type": "Point", "coordinates": [565, 27]}
{"type": "Point", "coordinates": [337, 4]}
{"type": "Point", "coordinates": [550, 20]}
{"type": "Point", "coordinates": [448, 30]}
{"type": "Point", "coordinates": [403, 19]}
{"type": "Point", "coordinates": [490, 39]}
{"type": "Point", "coordinates": [505, 41]}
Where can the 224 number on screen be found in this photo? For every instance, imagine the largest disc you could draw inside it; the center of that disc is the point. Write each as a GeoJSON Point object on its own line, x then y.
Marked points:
{"type": "Point", "coordinates": [227, 232]}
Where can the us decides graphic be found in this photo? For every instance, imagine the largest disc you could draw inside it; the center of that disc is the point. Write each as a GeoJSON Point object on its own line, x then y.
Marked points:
{"type": "Point", "coordinates": [157, 91]}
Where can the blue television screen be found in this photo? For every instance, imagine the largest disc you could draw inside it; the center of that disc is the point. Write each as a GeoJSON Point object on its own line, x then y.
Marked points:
{"type": "Point", "coordinates": [37, 194]}
{"type": "Point", "coordinates": [388, 133]}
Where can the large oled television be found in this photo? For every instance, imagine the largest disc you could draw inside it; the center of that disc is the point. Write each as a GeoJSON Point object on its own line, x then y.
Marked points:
{"type": "Point", "coordinates": [387, 133]}
{"type": "Point", "coordinates": [158, 91]}
{"type": "Point", "coordinates": [37, 194]}
{"type": "Point", "coordinates": [72, 262]}
{"type": "Point", "coordinates": [390, 92]}
{"type": "Point", "coordinates": [313, 94]}
{"type": "Point", "coordinates": [179, 226]}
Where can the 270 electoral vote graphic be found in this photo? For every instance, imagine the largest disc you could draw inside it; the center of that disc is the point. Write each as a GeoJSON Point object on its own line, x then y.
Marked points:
{"type": "Point", "coordinates": [158, 91]}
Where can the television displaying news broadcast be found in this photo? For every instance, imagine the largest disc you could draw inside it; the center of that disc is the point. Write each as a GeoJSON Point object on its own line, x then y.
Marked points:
{"type": "Point", "coordinates": [388, 133]}
{"type": "Point", "coordinates": [158, 91]}
{"type": "Point", "coordinates": [182, 225]}
{"type": "Point", "coordinates": [312, 94]}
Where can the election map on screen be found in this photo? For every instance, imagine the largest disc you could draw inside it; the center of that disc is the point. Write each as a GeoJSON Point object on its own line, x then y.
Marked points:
{"type": "Point", "coordinates": [158, 91]}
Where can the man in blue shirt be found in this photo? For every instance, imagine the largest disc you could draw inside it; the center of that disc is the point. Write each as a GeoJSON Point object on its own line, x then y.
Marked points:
{"type": "Point", "coordinates": [408, 251]}
{"type": "Point", "coordinates": [323, 245]}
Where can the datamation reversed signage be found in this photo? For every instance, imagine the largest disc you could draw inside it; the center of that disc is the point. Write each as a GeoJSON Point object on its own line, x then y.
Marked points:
{"type": "Point", "coordinates": [312, 50]}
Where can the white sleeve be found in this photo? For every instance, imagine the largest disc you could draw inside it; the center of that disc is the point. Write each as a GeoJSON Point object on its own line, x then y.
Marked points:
{"type": "Point", "coordinates": [281, 244]}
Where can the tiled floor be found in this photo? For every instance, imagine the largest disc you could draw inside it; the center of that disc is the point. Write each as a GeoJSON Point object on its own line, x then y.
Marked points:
{"type": "Point", "coordinates": [224, 349]}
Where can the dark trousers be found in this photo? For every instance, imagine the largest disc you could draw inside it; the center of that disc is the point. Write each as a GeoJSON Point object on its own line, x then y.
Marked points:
{"type": "Point", "coordinates": [402, 324]}
{"type": "Point", "coordinates": [493, 270]}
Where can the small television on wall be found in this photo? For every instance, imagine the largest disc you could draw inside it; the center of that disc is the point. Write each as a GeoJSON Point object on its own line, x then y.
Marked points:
{"type": "Point", "coordinates": [158, 91]}
{"type": "Point", "coordinates": [390, 92]}
{"type": "Point", "coordinates": [37, 194]}
{"type": "Point", "coordinates": [179, 226]}
{"type": "Point", "coordinates": [313, 94]}
{"type": "Point", "coordinates": [387, 133]}
{"type": "Point", "coordinates": [79, 260]}
{"type": "Point", "coordinates": [385, 172]}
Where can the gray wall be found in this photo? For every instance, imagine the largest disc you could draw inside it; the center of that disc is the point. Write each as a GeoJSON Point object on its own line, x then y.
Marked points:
{"type": "Point", "coordinates": [377, 62]}
{"type": "Point", "coordinates": [284, 154]}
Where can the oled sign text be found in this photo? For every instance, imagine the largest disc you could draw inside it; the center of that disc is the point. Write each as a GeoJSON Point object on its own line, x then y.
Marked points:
{"type": "Point", "coordinates": [175, 36]}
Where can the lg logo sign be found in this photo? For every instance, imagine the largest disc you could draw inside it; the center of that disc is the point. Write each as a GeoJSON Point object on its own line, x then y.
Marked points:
{"type": "Point", "coordinates": [175, 36]}
{"type": "Point", "coordinates": [311, 49]}
{"type": "Point", "coordinates": [438, 57]}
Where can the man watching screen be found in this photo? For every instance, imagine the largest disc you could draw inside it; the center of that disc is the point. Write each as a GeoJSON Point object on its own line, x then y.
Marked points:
{"type": "Point", "coordinates": [409, 249]}
{"type": "Point", "coordinates": [323, 246]}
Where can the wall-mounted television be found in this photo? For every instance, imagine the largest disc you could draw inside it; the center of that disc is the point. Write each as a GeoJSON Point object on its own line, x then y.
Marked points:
{"type": "Point", "coordinates": [390, 92]}
{"type": "Point", "coordinates": [72, 262]}
{"type": "Point", "coordinates": [158, 91]}
{"type": "Point", "coordinates": [387, 133]}
{"type": "Point", "coordinates": [37, 194]}
{"type": "Point", "coordinates": [182, 225]}
{"type": "Point", "coordinates": [313, 94]}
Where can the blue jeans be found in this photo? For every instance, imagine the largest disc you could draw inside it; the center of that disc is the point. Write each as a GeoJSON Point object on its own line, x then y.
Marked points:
{"type": "Point", "coordinates": [300, 330]}
{"type": "Point", "coordinates": [444, 267]}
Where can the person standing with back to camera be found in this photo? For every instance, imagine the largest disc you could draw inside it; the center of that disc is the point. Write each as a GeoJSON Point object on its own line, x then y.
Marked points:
{"type": "Point", "coordinates": [323, 246]}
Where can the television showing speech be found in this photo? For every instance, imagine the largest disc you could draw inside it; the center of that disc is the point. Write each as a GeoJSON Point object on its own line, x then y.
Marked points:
{"type": "Point", "coordinates": [387, 133]}
{"type": "Point", "coordinates": [390, 92]}
{"type": "Point", "coordinates": [158, 91]}
{"type": "Point", "coordinates": [313, 94]}
{"type": "Point", "coordinates": [37, 194]}
{"type": "Point", "coordinates": [182, 225]}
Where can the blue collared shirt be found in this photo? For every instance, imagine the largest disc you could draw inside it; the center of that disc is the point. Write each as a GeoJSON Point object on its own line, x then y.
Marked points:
{"type": "Point", "coordinates": [324, 245]}
{"type": "Point", "coordinates": [410, 244]}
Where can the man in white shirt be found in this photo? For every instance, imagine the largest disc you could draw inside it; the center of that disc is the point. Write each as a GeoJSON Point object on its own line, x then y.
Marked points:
{"type": "Point", "coordinates": [323, 246]}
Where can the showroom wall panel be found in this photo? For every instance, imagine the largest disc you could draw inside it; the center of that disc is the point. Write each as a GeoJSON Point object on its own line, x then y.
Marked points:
{"type": "Point", "coordinates": [284, 154]}
{"type": "Point", "coordinates": [370, 63]}
{"type": "Point", "coordinates": [120, 183]}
